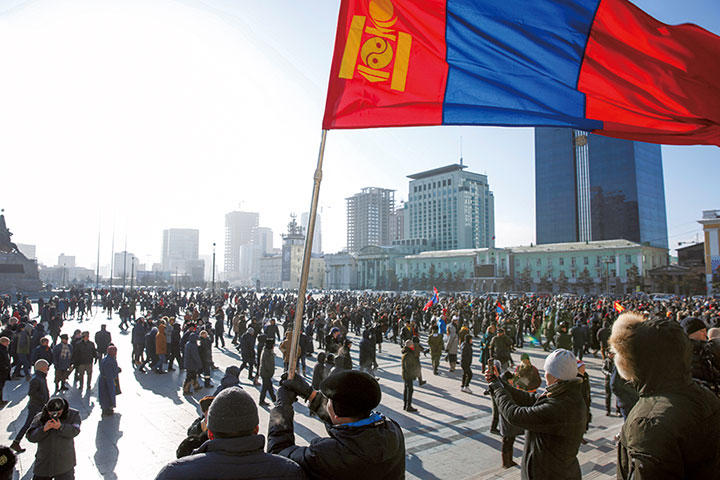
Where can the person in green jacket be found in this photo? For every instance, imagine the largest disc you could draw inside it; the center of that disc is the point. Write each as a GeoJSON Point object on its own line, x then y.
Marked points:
{"type": "Point", "coordinates": [435, 342]}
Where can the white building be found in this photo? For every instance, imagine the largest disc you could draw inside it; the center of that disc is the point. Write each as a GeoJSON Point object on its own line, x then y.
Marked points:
{"type": "Point", "coordinates": [317, 235]}
{"type": "Point", "coordinates": [67, 261]}
{"type": "Point", "coordinates": [239, 228]}
{"type": "Point", "coordinates": [180, 249]}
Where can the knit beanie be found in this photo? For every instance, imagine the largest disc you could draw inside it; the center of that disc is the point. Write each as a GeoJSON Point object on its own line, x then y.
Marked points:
{"type": "Point", "coordinates": [233, 411]}
{"type": "Point", "coordinates": [561, 364]}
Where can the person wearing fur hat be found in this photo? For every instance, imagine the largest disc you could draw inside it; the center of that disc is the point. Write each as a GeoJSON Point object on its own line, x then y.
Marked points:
{"type": "Point", "coordinates": [554, 422]}
{"type": "Point", "coordinates": [672, 431]}
{"type": "Point", "coordinates": [362, 444]}
{"type": "Point", "coordinates": [54, 430]}
{"type": "Point", "coordinates": [234, 449]}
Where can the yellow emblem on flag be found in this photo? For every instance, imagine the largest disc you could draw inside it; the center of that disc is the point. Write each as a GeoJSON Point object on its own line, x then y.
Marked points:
{"type": "Point", "coordinates": [384, 53]}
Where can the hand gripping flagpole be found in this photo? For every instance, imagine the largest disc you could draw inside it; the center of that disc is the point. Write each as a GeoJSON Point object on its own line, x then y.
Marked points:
{"type": "Point", "coordinates": [302, 288]}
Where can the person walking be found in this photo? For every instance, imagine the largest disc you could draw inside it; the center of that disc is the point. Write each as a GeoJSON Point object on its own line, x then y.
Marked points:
{"type": "Point", "coordinates": [267, 370]}
{"type": "Point", "coordinates": [465, 363]}
{"type": "Point", "coordinates": [84, 354]}
{"type": "Point", "coordinates": [192, 364]}
{"type": "Point", "coordinates": [109, 382]}
{"type": "Point", "coordinates": [435, 342]}
{"type": "Point", "coordinates": [410, 367]}
{"type": "Point", "coordinates": [161, 350]}
{"type": "Point", "coordinates": [54, 430]}
{"type": "Point", "coordinates": [103, 338]}
{"type": "Point", "coordinates": [38, 395]}
{"type": "Point", "coordinates": [451, 346]}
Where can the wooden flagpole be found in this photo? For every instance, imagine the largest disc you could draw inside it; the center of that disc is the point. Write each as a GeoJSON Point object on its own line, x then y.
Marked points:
{"type": "Point", "coordinates": [302, 288]}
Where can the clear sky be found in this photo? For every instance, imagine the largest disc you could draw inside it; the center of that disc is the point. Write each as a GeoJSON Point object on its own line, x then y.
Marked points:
{"type": "Point", "coordinates": [140, 115]}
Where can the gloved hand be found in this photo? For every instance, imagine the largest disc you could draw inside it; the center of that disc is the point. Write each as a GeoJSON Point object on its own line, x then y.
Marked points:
{"type": "Point", "coordinates": [285, 396]}
{"type": "Point", "coordinates": [297, 385]}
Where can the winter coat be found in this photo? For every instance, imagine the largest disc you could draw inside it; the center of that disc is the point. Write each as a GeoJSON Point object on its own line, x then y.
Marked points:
{"type": "Point", "coordinates": [435, 342]}
{"type": "Point", "coordinates": [84, 353]}
{"type": "Point", "coordinates": [410, 364]}
{"type": "Point", "coordinates": [626, 394]}
{"type": "Point", "coordinates": [563, 340]}
{"type": "Point", "coordinates": [319, 374]}
{"type": "Point", "coordinates": [109, 372]}
{"type": "Point", "coordinates": [554, 423]}
{"type": "Point", "coordinates": [285, 349]}
{"type": "Point", "coordinates": [62, 362]}
{"type": "Point", "coordinates": [236, 458]}
{"type": "Point", "coordinates": [56, 448]}
{"type": "Point", "coordinates": [38, 393]}
{"type": "Point", "coordinates": [267, 363]}
{"type": "Point", "coordinates": [500, 347]}
{"type": "Point", "coordinates": [452, 339]}
{"type": "Point", "coordinates": [150, 342]}
{"type": "Point", "coordinates": [526, 377]}
{"type": "Point", "coordinates": [466, 355]}
{"type": "Point", "coordinates": [306, 344]}
{"type": "Point", "coordinates": [671, 432]}
{"type": "Point", "coordinates": [138, 334]}
{"type": "Point", "coordinates": [41, 352]}
{"type": "Point", "coordinates": [580, 335]}
{"type": "Point", "coordinates": [367, 349]}
{"type": "Point", "coordinates": [102, 340]}
{"type": "Point", "coordinates": [247, 348]}
{"type": "Point", "coordinates": [205, 350]}
{"type": "Point", "coordinates": [231, 379]}
{"type": "Point", "coordinates": [4, 363]}
{"type": "Point", "coordinates": [191, 356]}
{"type": "Point", "coordinates": [22, 340]}
{"type": "Point", "coordinates": [161, 341]}
{"type": "Point", "coordinates": [373, 448]}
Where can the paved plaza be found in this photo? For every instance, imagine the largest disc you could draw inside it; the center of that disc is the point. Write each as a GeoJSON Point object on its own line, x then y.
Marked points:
{"type": "Point", "coordinates": [448, 438]}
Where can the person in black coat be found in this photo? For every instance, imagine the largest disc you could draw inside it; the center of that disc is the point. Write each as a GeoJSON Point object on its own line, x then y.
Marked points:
{"type": "Point", "coordinates": [42, 351]}
{"type": "Point", "coordinates": [554, 422]}
{"type": "Point", "coordinates": [234, 449]}
{"type": "Point", "coordinates": [38, 395]}
{"type": "Point", "coordinates": [362, 444]}
{"type": "Point", "coordinates": [102, 340]}
{"type": "Point", "coordinates": [4, 366]}
{"type": "Point", "coordinates": [367, 351]}
{"type": "Point", "coordinates": [205, 349]}
{"type": "Point", "coordinates": [54, 430]}
{"type": "Point", "coordinates": [247, 351]}
{"type": "Point", "coordinates": [138, 343]}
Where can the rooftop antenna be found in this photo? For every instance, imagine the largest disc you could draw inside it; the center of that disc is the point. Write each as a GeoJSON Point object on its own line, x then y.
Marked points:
{"type": "Point", "coordinates": [461, 158]}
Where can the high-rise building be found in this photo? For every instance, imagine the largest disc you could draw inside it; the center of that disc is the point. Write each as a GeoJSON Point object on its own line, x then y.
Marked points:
{"type": "Point", "coordinates": [239, 228]}
{"type": "Point", "coordinates": [451, 208]}
{"type": "Point", "coordinates": [590, 187]}
{"type": "Point", "coordinates": [66, 260]}
{"type": "Point", "coordinates": [123, 265]}
{"type": "Point", "coordinates": [368, 217]}
{"type": "Point", "coordinates": [317, 234]}
{"type": "Point", "coordinates": [397, 224]}
{"type": "Point", "coordinates": [180, 249]}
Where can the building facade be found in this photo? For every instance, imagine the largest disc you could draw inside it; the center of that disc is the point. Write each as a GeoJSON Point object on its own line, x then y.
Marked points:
{"type": "Point", "coordinates": [239, 227]}
{"type": "Point", "coordinates": [368, 218]}
{"type": "Point", "coordinates": [397, 225]}
{"type": "Point", "coordinates": [590, 187]}
{"type": "Point", "coordinates": [605, 266]}
{"type": "Point", "coordinates": [479, 270]}
{"type": "Point", "coordinates": [341, 271]}
{"type": "Point", "coordinates": [451, 208]}
{"type": "Point", "coordinates": [180, 249]}
{"type": "Point", "coordinates": [711, 227]}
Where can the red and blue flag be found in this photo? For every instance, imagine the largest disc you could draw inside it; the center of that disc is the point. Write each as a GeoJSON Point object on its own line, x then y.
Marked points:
{"type": "Point", "coordinates": [434, 300]}
{"type": "Point", "coordinates": [499, 309]}
{"type": "Point", "coordinates": [598, 65]}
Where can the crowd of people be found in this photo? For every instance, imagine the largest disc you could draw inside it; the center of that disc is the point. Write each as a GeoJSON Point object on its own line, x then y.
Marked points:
{"type": "Point", "coordinates": [656, 350]}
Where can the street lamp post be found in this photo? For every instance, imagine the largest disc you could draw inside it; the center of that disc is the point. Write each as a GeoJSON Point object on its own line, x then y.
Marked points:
{"type": "Point", "coordinates": [213, 270]}
{"type": "Point", "coordinates": [132, 272]}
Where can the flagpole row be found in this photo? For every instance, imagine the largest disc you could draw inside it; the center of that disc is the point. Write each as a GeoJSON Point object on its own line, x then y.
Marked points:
{"type": "Point", "coordinates": [307, 255]}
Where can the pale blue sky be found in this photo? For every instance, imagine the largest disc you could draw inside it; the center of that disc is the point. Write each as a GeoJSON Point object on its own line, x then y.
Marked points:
{"type": "Point", "coordinates": [193, 106]}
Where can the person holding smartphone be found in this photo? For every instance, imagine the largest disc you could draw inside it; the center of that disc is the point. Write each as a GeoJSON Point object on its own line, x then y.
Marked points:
{"type": "Point", "coordinates": [54, 430]}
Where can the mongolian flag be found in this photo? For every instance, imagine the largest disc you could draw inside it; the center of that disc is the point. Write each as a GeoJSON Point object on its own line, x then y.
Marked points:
{"type": "Point", "coordinates": [435, 299]}
{"type": "Point", "coordinates": [499, 309]}
{"type": "Point", "coordinates": [618, 308]}
{"type": "Point", "coordinates": [603, 66]}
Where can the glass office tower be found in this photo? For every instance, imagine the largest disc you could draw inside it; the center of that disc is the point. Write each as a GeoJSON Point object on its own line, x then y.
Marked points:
{"type": "Point", "coordinates": [590, 187]}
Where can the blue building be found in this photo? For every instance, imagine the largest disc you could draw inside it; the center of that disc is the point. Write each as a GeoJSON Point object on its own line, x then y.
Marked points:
{"type": "Point", "coordinates": [590, 187]}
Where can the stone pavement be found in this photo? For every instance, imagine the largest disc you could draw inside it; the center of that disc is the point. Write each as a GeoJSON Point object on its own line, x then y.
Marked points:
{"type": "Point", "coordinates": [448, 438]}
